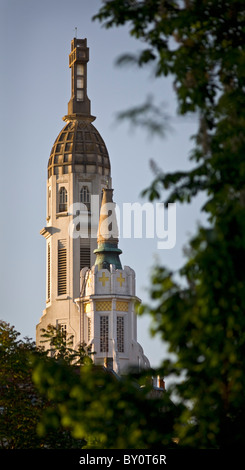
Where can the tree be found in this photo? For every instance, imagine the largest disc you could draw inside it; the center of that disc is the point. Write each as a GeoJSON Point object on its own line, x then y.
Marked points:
{"type": "Point", "coordinates": [17, 418]}
{"type": "Point", "coordinates": [106, 411]}
{"type": "Point", "coordinates": [60, 346]}
{"type": "Point", "coordinates": [21, 405]}
{"type": "Point", "coordinates": [53, 402]}
{"type": "Point", "coordinates": [200, 43]}
{"type": "Point", "coordinates": [97, 407]}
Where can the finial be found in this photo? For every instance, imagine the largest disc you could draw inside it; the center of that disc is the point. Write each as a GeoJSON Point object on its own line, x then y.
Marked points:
{"type": "Point", "coordinates": [79, 104]}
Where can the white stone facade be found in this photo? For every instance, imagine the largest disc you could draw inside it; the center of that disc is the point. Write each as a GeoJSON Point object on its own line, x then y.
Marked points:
{"type": "Point", "coordinates": [108, 296]}
{"type": "Point", "coordinates": [60, 308]}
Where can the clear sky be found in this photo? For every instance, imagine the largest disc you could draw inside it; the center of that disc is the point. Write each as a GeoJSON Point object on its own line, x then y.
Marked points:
{"type": "Point", "coordinates": [35, 89]}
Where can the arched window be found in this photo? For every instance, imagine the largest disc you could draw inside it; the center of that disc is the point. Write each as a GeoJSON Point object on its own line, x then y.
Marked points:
{"type": "Point", "coordinates": [62, 199]}
{"type": "Point", "coordinates": [85, 197]}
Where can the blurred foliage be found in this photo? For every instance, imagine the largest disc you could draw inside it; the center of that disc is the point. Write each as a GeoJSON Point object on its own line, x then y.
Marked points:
{"type": "Point", "coordinates": [200, 45]}
{"type": "Point", "coordinates": [204, 325]}
{"type": "Point", "coordinates": [106, 411]}
{"type": "Point", "coordinates": [148, 116]}
{"type": "Point", "coordinates": [54, 403]}
{"type": "Point", "coordinates": [21, 405]}
{"type": "Point", "coordinates": [99, 408]}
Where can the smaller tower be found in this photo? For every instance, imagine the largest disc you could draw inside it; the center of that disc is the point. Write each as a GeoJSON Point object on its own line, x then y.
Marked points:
{"type": "Point", "coordinates": [107, 252]}
{"type": "Point", "coordinates": [79, 104]}
{"type": "Point", "coordinates": [107, 300]}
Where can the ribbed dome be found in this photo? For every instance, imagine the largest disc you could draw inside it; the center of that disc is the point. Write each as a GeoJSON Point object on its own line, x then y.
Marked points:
{"type": "Point", "coordinates": [79, 148]}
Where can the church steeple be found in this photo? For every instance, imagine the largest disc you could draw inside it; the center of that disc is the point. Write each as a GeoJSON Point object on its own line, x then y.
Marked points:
{"type": "Point", "coordinates": [107, 252]}
{"type": "Point", "coordinates": [79, 104]}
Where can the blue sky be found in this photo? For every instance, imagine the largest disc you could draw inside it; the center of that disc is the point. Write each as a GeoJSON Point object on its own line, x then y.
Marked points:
{"type": "Point", "coordinates": [35, 89]}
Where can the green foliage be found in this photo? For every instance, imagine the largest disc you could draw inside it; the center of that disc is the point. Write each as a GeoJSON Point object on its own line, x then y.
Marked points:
{"type": "Point", "coordinates": [60, 346]}
{"type": "Point", "coordinates": [19, 402]}
{"type": "Point", "coordinates": [58, 403]}
{"type": "Point", "coordinates": [200, 43]}
{"type": "Point", "coordinates": [106, 411]}
{"type": "Point", "coordinates": [204, 326]}
{"type": "Point", "coordinates": [21, 405]}
{"type": "Point", "coordinates": [149, 116]}
{"type": "Point", "coordinates": [58, 342]}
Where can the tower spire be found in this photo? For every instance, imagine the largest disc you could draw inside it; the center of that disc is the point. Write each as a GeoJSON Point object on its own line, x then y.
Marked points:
{"type": "Point", "coordinates": [79, 104]}
{"type": "Point", "coordinates": [107, 252]}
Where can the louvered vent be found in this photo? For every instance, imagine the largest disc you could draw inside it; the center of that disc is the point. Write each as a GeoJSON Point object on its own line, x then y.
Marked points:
{"type": "Point", "coordinates": [48, 272]}
{"type": "Point", "coordinates": [84, 253]}
{"type": "Point", "coordinates": [62, 266]}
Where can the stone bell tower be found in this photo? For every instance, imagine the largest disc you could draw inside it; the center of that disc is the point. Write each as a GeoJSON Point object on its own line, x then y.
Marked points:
{"type": "Point", "coordinates": [88, 292]}
{"type": "Point", "coordinates": [78, 168]}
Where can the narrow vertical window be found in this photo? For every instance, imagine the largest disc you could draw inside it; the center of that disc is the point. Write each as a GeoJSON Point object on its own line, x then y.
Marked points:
{"type": "Point", "coordinates": [104, 334]}
{"type": "Point", "coordinates": [89, 329]}
{"type": "Point", "coordinates": [63, 330]}
{"type": "Point", "coordinates": [49, 201]}
{"type": "Point", "coordinates": [120, 334]}
{"type": "Point", "coordinates": [48, 274]}
{"type": "Point", "coordinates": [62, 199]}
{"type": "Point", "coordinates": [80, 82]}
{"type": "Point", "coordinates": [62, 267]}
{"type": "Point", "coordinates": [84, 253]}
{"type": "Point", "coordinates": [65, 337]}
{"type": "Point", "coordinates": [85, 197]}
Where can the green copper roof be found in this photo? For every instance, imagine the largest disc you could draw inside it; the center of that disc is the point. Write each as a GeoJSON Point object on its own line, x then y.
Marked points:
{"type": "Point", "coordinates": [107, 254]}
